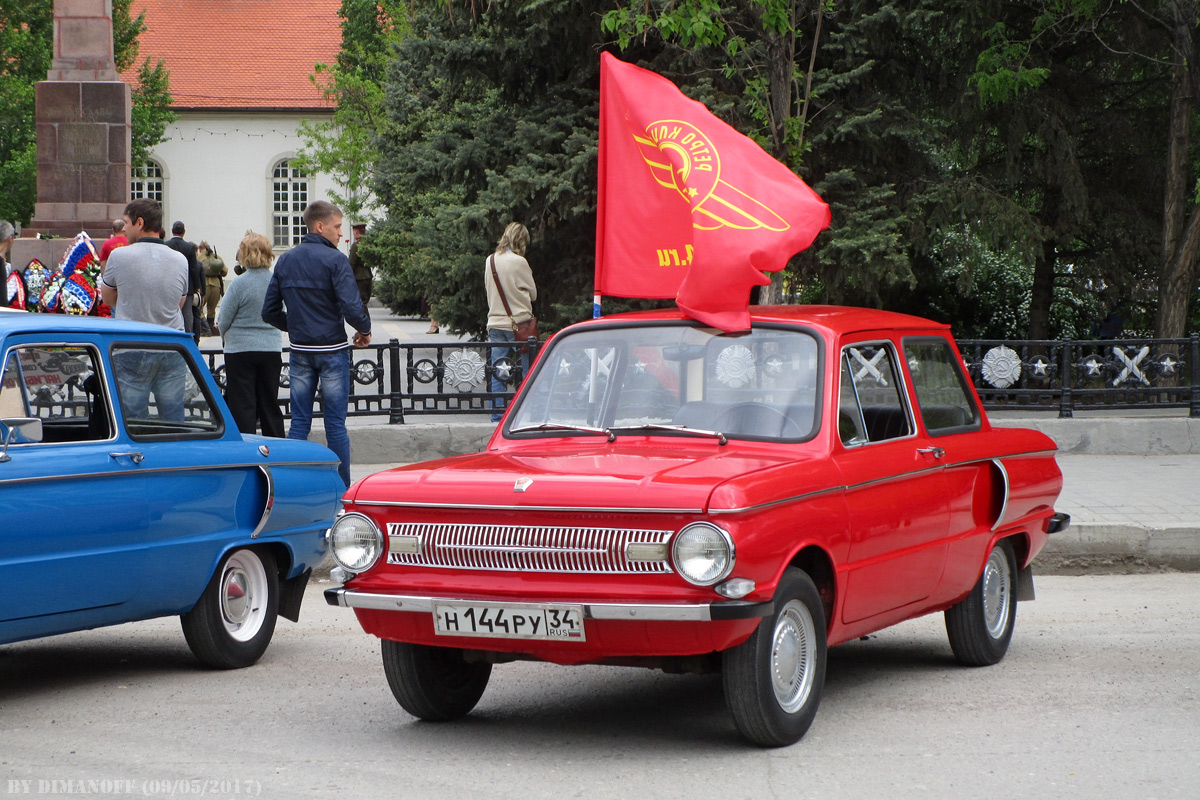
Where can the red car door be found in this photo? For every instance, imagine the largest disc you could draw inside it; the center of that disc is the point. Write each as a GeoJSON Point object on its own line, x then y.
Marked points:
{"type": "Point", "coordinates": [895, 484]}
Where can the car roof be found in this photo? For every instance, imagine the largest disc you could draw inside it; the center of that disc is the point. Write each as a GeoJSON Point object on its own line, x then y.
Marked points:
{"type": "Point", "coordinates": [835, 319]}
{"type": "Point", "coordinates": [25, 322]}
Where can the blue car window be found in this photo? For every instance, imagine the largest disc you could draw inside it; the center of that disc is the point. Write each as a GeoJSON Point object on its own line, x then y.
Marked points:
{"type": "Point", "coordinates": [59, 385]}
{"type": "Point", "coordinates": [161, 395]}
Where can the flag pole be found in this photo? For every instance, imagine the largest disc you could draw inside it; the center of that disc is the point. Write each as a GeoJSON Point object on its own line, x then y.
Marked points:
{"type": "Point", "coordinates": [596, 306]}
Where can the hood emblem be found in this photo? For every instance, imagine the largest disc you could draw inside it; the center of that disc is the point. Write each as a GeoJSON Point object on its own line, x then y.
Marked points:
{"type": "Point", "coordinates": [522, 484]}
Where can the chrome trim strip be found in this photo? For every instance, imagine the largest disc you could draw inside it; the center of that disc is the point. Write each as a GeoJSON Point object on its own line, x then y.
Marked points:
{"type": "Point", "coordinates": [270, 504]}
{"type": "Point", "coordinates": [636, 612]}
{"type": "Point", "coordinates": [145, 470]}
{"type": "Point", "coordinates": [574, 509]}
{"type": "Point", "coordinates": [1007, 489]}
{"type": "Point", "coordinates": [899, 476]}
{"type": "Point", "coordinates": [741, 510]}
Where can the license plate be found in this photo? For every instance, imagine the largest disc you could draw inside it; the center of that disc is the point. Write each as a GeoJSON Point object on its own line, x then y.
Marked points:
{"type": "Point", "coordinates": [525, 621]}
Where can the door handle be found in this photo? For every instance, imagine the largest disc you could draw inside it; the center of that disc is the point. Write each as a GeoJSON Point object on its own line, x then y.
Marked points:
{"type": "Point", "coordinates": [936, 452]}
{"type": "Point", "coordinates": [133, 456]}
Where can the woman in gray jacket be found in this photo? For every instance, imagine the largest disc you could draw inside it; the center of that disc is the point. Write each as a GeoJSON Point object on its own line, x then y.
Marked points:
{"type": "Point", "coordinates": [253, 348]}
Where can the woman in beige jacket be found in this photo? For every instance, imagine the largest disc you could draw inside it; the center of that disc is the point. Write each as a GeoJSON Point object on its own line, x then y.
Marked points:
{"type": "Point", "coordinates": [516, 282]}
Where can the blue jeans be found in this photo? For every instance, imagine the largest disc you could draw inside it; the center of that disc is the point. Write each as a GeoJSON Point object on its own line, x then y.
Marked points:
{"type": "Point", "coordinates": [497, 382]}
{"type": "Point", "coordinates": [332, 371]}
{"type": "Point", "coordinates": [142, 372]}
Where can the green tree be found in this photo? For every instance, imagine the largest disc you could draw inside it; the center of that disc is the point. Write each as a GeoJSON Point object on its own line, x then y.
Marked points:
{"type": "Point", "coordinates": [756, 45]}
{"type": "Point", "coordinates": [26, 45]}
{"type": "Point", "coordinates": [492, 117]}
{"type": "Point", "coordinates": [346, 146]}
{"type": "Point", "coordinates": [1070, 135]}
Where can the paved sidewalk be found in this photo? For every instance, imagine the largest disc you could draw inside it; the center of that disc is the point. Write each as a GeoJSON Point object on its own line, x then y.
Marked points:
{"type": "Point", "coordinates": [1128, 513]}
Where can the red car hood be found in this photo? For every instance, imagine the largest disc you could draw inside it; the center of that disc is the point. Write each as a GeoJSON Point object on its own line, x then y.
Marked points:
{"type": "Point", "coordinates": [601, 477]}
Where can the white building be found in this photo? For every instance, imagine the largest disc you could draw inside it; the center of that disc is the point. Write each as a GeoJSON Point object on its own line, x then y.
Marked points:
{"type": "Point", "coordinates": [239, 75]}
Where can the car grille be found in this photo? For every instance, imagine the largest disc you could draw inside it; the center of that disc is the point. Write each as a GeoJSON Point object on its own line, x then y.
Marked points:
{"type": "Point", "coordinates": [522, 548]}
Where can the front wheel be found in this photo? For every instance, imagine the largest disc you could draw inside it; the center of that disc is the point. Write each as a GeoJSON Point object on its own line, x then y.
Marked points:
{"type": "Point", "coordinates": [981, 626]}
{"type": "Point", "coordinates": [773, 680]}
{"type": "Point", "coordinates": [434, 683]}
{"type": "Point", "coordinates": [232, 624]}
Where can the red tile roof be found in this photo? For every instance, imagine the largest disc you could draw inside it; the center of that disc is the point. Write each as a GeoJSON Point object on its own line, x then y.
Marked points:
{"type": "Point", "coordinates": [241, 54]}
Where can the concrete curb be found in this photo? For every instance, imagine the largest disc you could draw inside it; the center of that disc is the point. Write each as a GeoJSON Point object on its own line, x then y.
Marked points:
{"type": "Point", "coordinates": [1132, 436]}
{"type": "Point", "coordinates": [1101, 548]}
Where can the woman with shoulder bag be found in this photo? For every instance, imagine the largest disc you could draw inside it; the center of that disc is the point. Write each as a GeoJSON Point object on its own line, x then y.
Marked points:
{"type": "Point", "coordinates": [511, 291]}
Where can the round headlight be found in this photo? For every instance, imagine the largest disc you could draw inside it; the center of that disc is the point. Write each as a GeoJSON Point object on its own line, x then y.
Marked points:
{"type": "Point", "coordinates": [355, 542]}
{"type": "Point", "coordinates": [703, 553]}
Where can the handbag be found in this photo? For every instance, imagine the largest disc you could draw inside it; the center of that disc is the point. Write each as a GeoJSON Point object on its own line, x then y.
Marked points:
{"type": "Point", "coordinates": [525, 330]}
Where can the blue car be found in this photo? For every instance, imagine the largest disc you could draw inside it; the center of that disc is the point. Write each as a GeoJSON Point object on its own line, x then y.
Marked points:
{"type": "Point", "coordinates": [126, 492]}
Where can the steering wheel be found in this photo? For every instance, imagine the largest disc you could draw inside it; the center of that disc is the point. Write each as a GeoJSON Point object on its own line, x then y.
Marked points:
{"type": "Point", "coordinates": [756, 419]}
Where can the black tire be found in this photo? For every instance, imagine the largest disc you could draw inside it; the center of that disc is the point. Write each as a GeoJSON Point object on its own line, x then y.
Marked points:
{"type": "Point", "coordinates": [773, 680]}
{"type": "Point", "coordinates": [981, 626]}
{"type": "Point", "coordinates": [234, 620]}
{"type": "Point", "coordinates": [433, 683]}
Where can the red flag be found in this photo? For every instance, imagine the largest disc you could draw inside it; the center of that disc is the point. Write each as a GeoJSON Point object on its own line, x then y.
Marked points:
{"type": "Point", "coordinates": [688, 207]}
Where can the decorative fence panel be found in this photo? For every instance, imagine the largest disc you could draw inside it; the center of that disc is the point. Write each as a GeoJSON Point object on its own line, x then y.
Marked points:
{"type": "Point", "coordinates": [1070, 375]}
{"type": "Point", "coordinates": [401, 380]}
{"type": "Point", "coordinates": [398, 380]}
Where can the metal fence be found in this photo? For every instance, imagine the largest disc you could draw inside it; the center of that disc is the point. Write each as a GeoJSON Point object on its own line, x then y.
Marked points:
{"type": "Point", "coordinates": [401, 380]}
{"type": "Point", "coordinates": [1070, 375]}
{"type": "Point", "coordinates": [398, 380]}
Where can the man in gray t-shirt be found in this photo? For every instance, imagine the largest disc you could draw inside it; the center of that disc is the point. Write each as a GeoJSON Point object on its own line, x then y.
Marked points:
{"type": "Point", "coordinates": [146, 281]}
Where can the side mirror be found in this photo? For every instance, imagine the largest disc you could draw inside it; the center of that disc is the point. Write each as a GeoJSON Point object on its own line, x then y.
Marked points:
{"type": "Point", "coordinates": [19, 430]}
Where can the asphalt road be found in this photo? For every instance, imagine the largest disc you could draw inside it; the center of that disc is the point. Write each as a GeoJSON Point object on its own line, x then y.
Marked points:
{"type": "Point", "coordinates": [1099, 697]}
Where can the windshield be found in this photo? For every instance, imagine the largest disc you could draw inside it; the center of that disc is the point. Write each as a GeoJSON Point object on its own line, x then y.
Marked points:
{"type": "Point", "coordinates": [675, 380]}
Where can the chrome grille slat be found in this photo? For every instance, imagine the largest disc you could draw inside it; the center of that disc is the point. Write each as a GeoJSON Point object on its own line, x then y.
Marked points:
{"type": "Point", "coordinates": [526, 548]}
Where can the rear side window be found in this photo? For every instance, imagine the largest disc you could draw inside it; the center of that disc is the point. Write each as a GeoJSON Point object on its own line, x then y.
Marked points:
{"type": "Point", "coordinates": [161, 395]}
{"type": "Point", "coordinates": [871, 404]}
{"type": "Point", "coordinates": [940, 384]}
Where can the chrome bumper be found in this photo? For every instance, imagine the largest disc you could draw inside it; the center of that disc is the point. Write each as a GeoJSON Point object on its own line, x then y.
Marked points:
{"type": "Point", "coordinates": [636, 612]}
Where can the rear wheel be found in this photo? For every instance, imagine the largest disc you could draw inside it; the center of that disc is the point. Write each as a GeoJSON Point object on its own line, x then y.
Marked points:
{"type": "Point", "coordinates": [773, 680]}
{"type": "Point", "coordinates": [981, 626]}
{"type": "Point", "coordinates": [433, 683]}
{"type": "Point", "coordinates": [234, 620]}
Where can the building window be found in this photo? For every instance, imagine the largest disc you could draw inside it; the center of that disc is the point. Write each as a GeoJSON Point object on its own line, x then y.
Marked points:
{"type": "Point", "coordinates": [289, 197]}
{"type": "Point", "coordinates": [146, 180]}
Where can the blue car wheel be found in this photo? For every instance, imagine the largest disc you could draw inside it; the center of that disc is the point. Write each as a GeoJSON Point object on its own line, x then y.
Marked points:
{"type": "Point", "coordinates": [232, 624]}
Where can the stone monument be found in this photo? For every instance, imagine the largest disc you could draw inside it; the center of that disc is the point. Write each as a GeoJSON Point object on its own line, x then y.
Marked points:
{"type": "Point", "coordinates": [83, 135]}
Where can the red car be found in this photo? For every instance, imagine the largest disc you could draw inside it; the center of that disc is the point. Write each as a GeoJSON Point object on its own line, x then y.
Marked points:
{"type": "Point", "coordinates": [662, 494]}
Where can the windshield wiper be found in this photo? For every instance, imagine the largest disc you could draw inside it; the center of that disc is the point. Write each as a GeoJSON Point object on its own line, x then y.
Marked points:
{"type": "Point", "coordinates": [655, 426]}
{"type": "Point", "coordinates": [560, 426]}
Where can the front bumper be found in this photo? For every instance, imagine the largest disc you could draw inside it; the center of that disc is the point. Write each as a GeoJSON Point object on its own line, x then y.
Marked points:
{"type": "Point", "coordinates": [635, 612]}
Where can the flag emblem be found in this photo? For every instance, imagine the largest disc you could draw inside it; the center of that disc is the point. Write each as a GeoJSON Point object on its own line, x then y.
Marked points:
{"type": "Point", "coordinates": [682, 158]}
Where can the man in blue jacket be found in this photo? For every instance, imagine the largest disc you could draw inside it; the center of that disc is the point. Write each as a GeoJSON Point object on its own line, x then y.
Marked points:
{"type": "Point", "coordinates": [315, 283]}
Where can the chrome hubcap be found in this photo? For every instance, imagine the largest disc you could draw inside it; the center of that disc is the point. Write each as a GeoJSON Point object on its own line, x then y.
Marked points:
{"type": "Point", "coordinates": [997, 588]}
{"type": "Point", "coordinates": [236, 595]}
{"type": "Point", "coordinates": [243, 595]}
{"type": "Point", "coordinates": [793, 653]}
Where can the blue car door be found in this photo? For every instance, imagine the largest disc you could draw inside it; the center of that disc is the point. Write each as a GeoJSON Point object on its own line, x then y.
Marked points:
{"type": "Point", "coordinates": [73, 503]}
{"type": "Point", "coordinates": [205, 486]}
